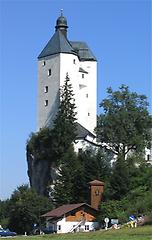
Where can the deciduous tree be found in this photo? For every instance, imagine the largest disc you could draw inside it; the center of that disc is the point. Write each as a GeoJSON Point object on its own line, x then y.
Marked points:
{"type": "Point", "coordinates": [125, 124]}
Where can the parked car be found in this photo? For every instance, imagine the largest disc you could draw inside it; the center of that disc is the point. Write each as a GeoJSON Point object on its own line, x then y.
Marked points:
{"type": "Point", "coordinates": [7, 233]}
{"type": "Point", "coordinates": [48, 231]}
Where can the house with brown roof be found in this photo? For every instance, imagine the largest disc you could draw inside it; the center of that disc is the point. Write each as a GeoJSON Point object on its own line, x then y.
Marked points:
{"type": "Point", "coordinates": [76, 217]}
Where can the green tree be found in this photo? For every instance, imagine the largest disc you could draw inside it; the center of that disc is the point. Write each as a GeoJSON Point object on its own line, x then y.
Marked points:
{"type": "Point", "coordinates": [137, 202]}
{"type": "Point", "coordinates": [96, 165]}
{"type": "Point", "coordinates": [26, 207]}
{"type": "Point", "coordinates": [64, 191]}
{"type": "Point", "coordinates": [64, 129]}
{"type": "Point", "coordinates": [46, 148]}
{"type": "Point", "coordinates": [125, 124]}
{"type": "Point", "coordinates": [40, 160]}
{"type": "Point", "coordinates": [119, 180]}
{"type": "Point", "coordinates": [4, 213]}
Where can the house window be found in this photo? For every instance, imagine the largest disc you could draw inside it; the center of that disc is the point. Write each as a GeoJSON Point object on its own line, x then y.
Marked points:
{"type": "Point", "coordinates": [72, 213]}
{"type": "Point", "coordinates": [82, 75]}
{"type": "Point", "coordinates": [46, 103]}
{"type": "Point", "coordinates": [49, 72]}
{"type": "Point", "coordinates": [59, 227]}
{"type": "Point", "coordinates": [86, 227]}
{"type": "Point", "coordinates": [46, 89]}
{"type": "Point", "coordinates": [73, 61]}
{"type": "Point", "coordinates": [79, 150]}
{"type": "Point", "coordinates": [148, 157]}
{"type": "Point", "coordinates": [43, 64]}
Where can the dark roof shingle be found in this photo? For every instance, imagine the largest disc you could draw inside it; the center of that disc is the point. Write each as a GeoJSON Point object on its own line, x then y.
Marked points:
{"type": "Point", "coordinates": [57, 44]}
{"type": "Point", "coordinates": [60, 44]}
{"type": "Point", "coordinates": [60, 211]}
{"type": "Point", "coordinates": [84, 52]}
{"type": "Point", "coordinates": [82, 132]}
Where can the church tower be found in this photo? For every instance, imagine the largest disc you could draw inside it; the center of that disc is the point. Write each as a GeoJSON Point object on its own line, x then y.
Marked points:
{"type": "Point", "coordinates": [59, 57]}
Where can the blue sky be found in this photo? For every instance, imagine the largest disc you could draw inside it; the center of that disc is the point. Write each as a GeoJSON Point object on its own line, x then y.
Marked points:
{"type": "Point", "coordinates": [118, 32]}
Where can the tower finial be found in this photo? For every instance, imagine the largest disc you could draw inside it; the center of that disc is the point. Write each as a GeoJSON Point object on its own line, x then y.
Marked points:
{"type": "Point", "coordinates": [61, 12]}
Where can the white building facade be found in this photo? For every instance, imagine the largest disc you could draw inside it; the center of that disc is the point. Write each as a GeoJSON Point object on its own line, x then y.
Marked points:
{"type": "Point", "coordinates": [59, 58]}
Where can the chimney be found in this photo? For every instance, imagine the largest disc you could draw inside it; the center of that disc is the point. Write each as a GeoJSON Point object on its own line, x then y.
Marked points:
{"type": "Point", "coordinates": [97, 188]}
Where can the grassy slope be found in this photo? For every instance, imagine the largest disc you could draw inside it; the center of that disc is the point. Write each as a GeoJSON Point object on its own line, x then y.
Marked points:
{"type": "Point", "coordinates": [140, 233]}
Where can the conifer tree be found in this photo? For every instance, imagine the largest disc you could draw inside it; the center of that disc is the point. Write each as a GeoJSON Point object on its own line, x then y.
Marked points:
{"type": "Point", "coordinates": [47, 147]}
{"type": "Point", "coordinates": [64, 129]}
{"type": "Point", "coordinates": [64, 187]}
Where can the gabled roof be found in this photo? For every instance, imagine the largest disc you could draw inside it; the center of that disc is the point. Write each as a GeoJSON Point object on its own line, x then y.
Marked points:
{"type": "Point", "coordinates": [84, 52]}
{"type": "Point", "coordinates": [60, 211]}
{"type": "Point", "coordinates": [82, 132]}
{"type": "Point", "coordinates": [57, 44]}
{"type": "Point", "coordinates": [96, 183]}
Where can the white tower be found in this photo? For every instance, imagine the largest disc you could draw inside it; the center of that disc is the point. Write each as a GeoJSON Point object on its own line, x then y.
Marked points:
{"type": "Point", "coordinates": [61, 56]}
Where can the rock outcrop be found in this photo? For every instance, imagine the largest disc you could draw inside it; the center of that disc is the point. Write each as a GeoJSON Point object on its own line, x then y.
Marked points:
{"type": "Point", "coordinates": [39, 172]}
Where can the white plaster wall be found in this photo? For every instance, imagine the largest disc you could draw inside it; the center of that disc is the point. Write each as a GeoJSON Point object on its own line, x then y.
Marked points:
{"type": "Point", "coordinates": [88, 105]}
{"type": "Point", "coordinates": [66, 226]}
{"type": "Point", "coordinates": [148, 154]}
{"type": "Point", "coordinates": [85, 89]}
{"type": "Point", "coordinates": [67, 66]}
{"type": "Point", "coordinates": [82, 87]}
{"type": "Point", "coordinates": [53, 63]}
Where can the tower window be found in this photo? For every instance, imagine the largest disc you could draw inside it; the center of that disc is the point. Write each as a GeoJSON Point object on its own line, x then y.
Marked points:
{"type": "Point", "coordinates": [97, 192]}
{"type": "Point", "coordinates": [49, 72]}
{"type": "Point", "coordinates": [46, 103]}
{"type": "Point", "coordinates": [88, 114]}
{"type": "Point", "coordinates": [87, 95]}
{"type": "Point", "coordinates": [82, 75]}
{"type": "Point", "coordinates": [73, 61]}
{"type": "Point", "coordinates": [43, 64]}
{"type": "Point", "coordinates": [46, 89]}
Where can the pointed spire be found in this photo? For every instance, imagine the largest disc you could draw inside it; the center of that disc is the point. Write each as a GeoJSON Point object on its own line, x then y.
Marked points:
{"type": "Point", "coordinates": [61, 12]}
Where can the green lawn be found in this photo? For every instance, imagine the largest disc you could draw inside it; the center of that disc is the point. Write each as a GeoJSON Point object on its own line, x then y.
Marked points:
{"type": "Point", "coordinates": [140, 233]}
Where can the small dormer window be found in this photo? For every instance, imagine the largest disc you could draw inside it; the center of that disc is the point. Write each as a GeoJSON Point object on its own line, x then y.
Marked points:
{"type": "Point", "coordinates": [82, 75]}
{"type": "Point", "coordinates": [49, 72]}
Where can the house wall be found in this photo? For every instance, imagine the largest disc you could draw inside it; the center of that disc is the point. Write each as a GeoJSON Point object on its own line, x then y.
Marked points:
{"type": "Point", "coordinates": [80, 215]}
{"type": "Point", "coordinates": [64, 226]}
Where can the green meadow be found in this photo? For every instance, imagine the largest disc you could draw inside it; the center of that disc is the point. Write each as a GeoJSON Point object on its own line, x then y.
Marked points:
{"type": "Point", "coordinates": [140, 233]}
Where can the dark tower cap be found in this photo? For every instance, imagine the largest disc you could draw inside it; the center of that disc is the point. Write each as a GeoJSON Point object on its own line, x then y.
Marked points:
{"type": "Point", "coordinates": [61, 24]}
